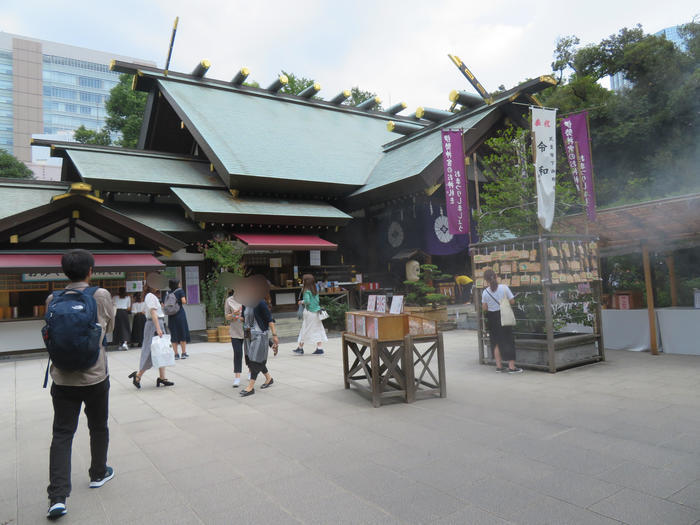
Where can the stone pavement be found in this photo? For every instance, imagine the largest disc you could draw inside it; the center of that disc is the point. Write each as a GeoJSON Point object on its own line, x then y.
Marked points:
{"type": "Point", "coordinates": [607, 443]}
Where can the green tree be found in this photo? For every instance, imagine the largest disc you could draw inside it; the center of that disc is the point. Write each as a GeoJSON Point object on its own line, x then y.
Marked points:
{"type": "Point", "coordinates": [89, 136]}
{"type": "Point", "coordinates": [13, 168]}
{"type": "Point", "coordinates": [645, 139]}
{"type": "Point", "coordinates": [358, 96]}
{"type": "Point", "coordinates": [296, 84]}
{"type": "Point", "coordinates": [125, 108]}
{"type": "Point", "coordinates": [509, 205]}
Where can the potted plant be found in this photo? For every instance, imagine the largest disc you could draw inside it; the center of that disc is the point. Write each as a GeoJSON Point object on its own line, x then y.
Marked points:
{"type": "Point", "coordinates": [422, 297]}
{"type": "Point", "coordinates": [226, 256]}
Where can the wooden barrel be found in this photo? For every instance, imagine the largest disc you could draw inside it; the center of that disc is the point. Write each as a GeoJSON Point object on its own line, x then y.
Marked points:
{"type": "Point", "coordinates": [211, 335]}
{"type": "Point", "coordinates": [223, 333]}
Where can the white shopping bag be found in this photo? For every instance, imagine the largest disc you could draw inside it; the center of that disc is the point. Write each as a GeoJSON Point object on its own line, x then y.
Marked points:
{"type": "Point", "coordinates": [161, 352]}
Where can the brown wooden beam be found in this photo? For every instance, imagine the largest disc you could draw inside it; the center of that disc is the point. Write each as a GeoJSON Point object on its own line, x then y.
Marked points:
{"type": "Point", "coordinates": [650, 300]}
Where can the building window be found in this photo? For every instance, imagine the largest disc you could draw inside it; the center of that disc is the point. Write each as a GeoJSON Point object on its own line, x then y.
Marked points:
{"type": "Point", "coordinates": [91, 97]}
{"type": "Point", "coordinates": [86, 110]}
{"type": "Point", "coordinates": [90, 82]}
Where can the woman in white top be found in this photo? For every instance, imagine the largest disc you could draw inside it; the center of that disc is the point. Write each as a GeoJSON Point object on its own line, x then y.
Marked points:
{"type": "Point", "coordinates": [122, 330]}
{"type": "Point", "coordinates": [234, 313]}
{"type": "Point", "coordinates": [138, 309]}
{"type": "Point", "coordinates": [501, 337]}
{"type": "Point", "coordinates": [154, 325]}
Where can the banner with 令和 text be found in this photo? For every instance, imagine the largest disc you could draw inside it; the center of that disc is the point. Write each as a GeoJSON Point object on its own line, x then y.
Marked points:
{"type": "Point", "coordinates": [545, 160]}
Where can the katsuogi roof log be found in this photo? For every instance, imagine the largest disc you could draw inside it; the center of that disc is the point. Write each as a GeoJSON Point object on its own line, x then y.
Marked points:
{"type": "Point", "coordinates": [201, 68]}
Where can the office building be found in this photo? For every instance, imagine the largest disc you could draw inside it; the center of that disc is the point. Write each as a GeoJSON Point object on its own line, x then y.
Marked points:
{"type": "Point", "coordinates": [50, 88]}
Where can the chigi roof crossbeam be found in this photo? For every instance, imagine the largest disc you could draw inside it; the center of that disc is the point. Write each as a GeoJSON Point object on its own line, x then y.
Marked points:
{"type": "Point", "coordinates": [146, 76]}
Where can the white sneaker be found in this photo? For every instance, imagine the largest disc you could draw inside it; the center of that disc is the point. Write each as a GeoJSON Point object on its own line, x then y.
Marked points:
{"type": "Point", "coordinates": [57, 509]}
{"type": "Point", "coordinates": [124, 346]}
{"type": "Point", "coordinates": [237, 382]}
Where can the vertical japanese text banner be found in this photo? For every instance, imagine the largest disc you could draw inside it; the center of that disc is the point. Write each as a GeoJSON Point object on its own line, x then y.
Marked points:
{"type": "Point", "coordinates": [455, 182]}
{"type": "Point", "coordinates": [545, 158]}
{"type": "Point", "coordinates": [577, 145]}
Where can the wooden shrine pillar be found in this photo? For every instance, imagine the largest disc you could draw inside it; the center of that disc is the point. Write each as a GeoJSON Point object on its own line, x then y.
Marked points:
{"type": "Point", "coordinates": [650, 300]}
{"type": "Point", "coordinates": [671, 265]}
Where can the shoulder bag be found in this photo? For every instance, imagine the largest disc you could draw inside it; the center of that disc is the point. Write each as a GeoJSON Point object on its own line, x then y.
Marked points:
{"type": "Point", "coordinates": [507, 315]}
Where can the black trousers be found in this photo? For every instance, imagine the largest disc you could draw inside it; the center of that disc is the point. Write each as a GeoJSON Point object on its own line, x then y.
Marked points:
{"type": "Point", "coordinates": [67, 401]}
{"type": "Point", "coordinates": [256, 368]}
{"type": "Point", "coordinates": [237, 354]}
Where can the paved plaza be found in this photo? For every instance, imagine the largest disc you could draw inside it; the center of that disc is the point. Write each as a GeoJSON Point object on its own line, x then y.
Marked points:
{"type": "Point", "coordinates": [615, 442]}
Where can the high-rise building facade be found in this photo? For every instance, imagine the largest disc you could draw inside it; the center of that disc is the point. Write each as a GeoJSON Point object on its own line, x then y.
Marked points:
{"type": "Point", "coordinates": [50, 88]}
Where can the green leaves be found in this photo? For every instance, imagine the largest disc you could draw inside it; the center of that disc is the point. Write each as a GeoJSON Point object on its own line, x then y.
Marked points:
{"type": "Point", "coordinates": [646, 138]}
{"type": "Point", "coordinates": [125, 109]}
{"type": "Point", "coordinates": [13, 168]}
{"type": "Point", "coordinates": [89, 136]}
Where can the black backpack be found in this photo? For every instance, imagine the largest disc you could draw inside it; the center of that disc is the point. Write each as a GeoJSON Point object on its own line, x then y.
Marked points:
{"type": "Point", "coordinates": [71, 333]}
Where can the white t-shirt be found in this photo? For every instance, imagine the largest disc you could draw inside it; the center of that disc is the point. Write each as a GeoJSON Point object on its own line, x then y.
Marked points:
{"type": "Point", "coordinates": [151, 302]}
{"type": "Point", "coordinates": [493, 299]}
{"type": "Point", "coordinates": [138, 308]}
{"type": "Point", "coordinates": [122, 303]}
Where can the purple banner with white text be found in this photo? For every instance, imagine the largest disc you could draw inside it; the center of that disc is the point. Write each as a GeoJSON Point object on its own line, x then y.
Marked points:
{"type": "Point", "coordinates": [455, 182]}
{"type": "Point", "coordinates": [577, 146]}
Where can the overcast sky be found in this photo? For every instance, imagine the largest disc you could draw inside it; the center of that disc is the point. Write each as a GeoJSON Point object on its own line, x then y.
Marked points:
{"type": "Point", "coordinates": [395, 48]}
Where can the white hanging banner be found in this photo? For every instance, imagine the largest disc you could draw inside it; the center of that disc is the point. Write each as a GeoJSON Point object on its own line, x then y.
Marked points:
{"type": "Point", "coordinates": [545, 160]}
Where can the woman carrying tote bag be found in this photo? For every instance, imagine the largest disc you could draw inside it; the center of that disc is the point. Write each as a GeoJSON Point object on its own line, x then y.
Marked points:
{"type": "Point", "coordinates": [312, 329]}
{"type": "Point", "coordinates": [496, 301]}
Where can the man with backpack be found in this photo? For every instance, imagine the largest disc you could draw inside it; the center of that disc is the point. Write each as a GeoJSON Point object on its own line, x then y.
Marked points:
{"type": "Point", "coordinates": [77, 320]}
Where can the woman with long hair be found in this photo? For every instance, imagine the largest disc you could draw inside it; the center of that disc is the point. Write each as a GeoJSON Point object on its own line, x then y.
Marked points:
{"type": "Point", "coordinates": [122, 330]}
{"type": "Point", "coordinates": [137, 324]}
{"type": "Point", "coordinates": [177, 324]}
{"type": "Point", "coordinates": [311, 327]}
{"type": "Point", "coordinates": [233, 311]}
{"type": "Point", "coordinates": [502, 341]}
{"type": "Point", "coordinates": [154, 325]}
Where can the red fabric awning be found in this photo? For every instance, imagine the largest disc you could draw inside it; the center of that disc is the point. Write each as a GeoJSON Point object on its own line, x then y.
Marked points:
{"type": "Point", "coordinates": [51, 262]}
{"type": "Point", "coordinates": [263, 241]}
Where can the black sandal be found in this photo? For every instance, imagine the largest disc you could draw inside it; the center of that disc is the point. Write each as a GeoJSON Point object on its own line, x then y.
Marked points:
{"type": "Point", "coordinates": [163, 382]}
{"type": "Point", "coordinates": [135, 379]}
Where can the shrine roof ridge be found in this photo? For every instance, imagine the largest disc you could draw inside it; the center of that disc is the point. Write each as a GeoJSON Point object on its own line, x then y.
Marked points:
{"type": "Point", "coordinates": [146, 75]}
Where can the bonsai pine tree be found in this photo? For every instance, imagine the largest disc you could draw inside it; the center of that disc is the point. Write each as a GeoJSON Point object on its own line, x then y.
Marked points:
{"type": "Point", "coordinates": [422, 292]}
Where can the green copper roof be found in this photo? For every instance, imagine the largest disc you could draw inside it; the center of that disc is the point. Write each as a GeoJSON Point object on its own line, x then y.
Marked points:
{"type": "Point", "coordinates": [18, 198]}
{"type": "Point", "coordinates": [110, 170]}
{"type": "Point", "coordinates": [273, 138]}
{"type": "Point", "coordinates": [164, 218]}
{"type": "Point", "coordinates": [221, 206]}
{"type": "Point", "coordinates": [413, 156]}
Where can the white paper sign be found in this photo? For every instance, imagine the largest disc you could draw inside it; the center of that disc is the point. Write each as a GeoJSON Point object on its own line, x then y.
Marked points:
{"type": "Point", "coordinates": [544, 124]}
{"type": "Point", "coordinates": [371, 303]}
{"type": "Point", "coordinates": [134, 286]}
{"type": "Point", "coordinates": [396, 304]}
{"type": "Point", "coordinates": [275, 262]}
{"type": "Point", "coordinates": [315, 257]}
{"type": "Point", "coordinates": [381, 304]}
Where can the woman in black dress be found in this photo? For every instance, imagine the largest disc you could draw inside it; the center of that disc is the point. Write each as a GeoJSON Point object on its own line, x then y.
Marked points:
{"type": "Point", "coordinates": [138, 309]}
{"type": "Point", "coordinates": [122, 329]}
{"type": "Point", "coordinates": [177, 324]}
